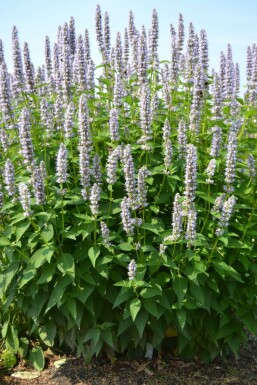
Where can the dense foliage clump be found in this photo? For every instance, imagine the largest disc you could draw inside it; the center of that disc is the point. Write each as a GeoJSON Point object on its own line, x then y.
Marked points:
{"type": "Point", "coordinates": [128, 196]}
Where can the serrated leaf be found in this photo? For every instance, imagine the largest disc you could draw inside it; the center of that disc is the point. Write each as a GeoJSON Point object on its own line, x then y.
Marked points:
{"type": "Point", "coordinates": [47, 233]}
{"type": "Point", "coordinates": [125, 246]}
{"type": "Point", "coordinates": [150, 227]}
{"type": "Point", "coordinates": [181, 317]}
{"type": "Point", "coordinates": [66, 265]}
{"type": "Point", "coordinates": [12, 340]}
{"type": "Point", "coordinates": [47, 274]}
{"type": "Point", "coordinates": [21, 228]}
{"type": "Point", "coordinates": [93, 253]}
{"type": "Point", "coordinates": [225, 270]}
{"type": "Point", "coordinates": [27, 276]}
{"type": "Point", "coordinates": [41, 256]}
{"type": "Point", "coordinates": [134, 307]}
{"type": "Point", "coordinates": [72, 307]}
{"type": "Point", "coordinates": [36, 357]}
{"type": "Point", "coordinates": [180, 288]}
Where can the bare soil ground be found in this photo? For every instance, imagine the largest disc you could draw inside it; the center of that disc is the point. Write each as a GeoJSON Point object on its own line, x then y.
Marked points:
{"type": "Point", "coordinates": [166, 370]}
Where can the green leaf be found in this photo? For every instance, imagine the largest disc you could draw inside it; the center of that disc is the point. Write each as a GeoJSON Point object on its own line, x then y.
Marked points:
{"type": "Point", "coordinates": [11, 339]}
{"type": "Point", "coordinates": [4, 241]}
{"type": "Point", "coordinates": [140, 321]}
{"type": "Point", "coordinates": [47, 333]}
{"type": "Point", "coordinates": [93, 253]}
{"type": "Point", "coordinates": [152, 307]}
{"type": "Point", "coordinates": [106, 335]}
{"type": "Point", "coordinates": [125, 246]}
{"type": "Point", "coordinates": [150, 292]}
{"type": "Point", "coordinates": [47, 274]}
{"type": "Point", "coordinates": [134, 307]}
{"type": "Point", "coordinates": [66, 265]}
{"type": "Point", "coordinates": [181, 317]}
{"type": "Point", "coordinates": [58, 292]}
{"type": "Point", "coordinates": [36, 357]}
{"type": "Point", "coordinates": [124, 294]}
{"type": "Point", "coordinates": [198, 294]}
{"type": "Point", "coordinates": [150, 227]}
{"type": "Point", "coordinates": [47, 233]}
{"type": "Point", "coordinates": [72, 307]}
{"type": "Point", "coordinates": [180, 288]}
{"type": "Point", "coordinates": [21, 228]}
{"type": "Point", "coordinates": [224, 270]}
{"type": "Point", "coordinates": [42, 255]}
{"type": "Point", "coordinates": [27, 276]}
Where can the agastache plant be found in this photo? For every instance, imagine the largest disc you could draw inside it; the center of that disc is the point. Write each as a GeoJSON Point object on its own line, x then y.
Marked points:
{"type": "Point", "coordinates": [116, 183]}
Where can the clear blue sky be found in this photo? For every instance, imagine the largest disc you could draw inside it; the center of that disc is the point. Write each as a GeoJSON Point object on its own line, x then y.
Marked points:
{"type": "Point", "coordinates": [226, 21]}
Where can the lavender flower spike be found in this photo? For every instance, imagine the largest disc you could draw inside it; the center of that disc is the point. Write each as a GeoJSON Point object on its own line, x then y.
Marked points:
{"type": "Point", "coordinates": [9, 178]}
{"type": "Point", "coordinates": [210, 171]}
{"type": "Point", "coordinates": [94, 199]}
{"type": "Point", "coordinates": [105, 232]}
{"type": "Point", "coordinates": [190, 175]}
{"type": "Point", "coordinates": [127, 221]}
{"type": "Point", "coordinates": [61, 164]}
{"type": "Point", "coordinates": [25, 199]}
{"type": "Point", "coordinates": [132, 269]}
{"type": "Point", "coordinates": [25, 138]}
{"type": "Point", "coordinates": [114, 125]}
{"type": "Point", "coordinates": [226, 213]}
{"type": "Point", "coordinates": [177, 218]}
{"type": "Point", "coordinates": [230, 171]}
{"type": "Point", "coordinates": [251, 166]}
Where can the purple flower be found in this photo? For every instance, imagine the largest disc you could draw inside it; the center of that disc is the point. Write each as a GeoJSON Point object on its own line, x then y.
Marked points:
{"type": "Point", "coordinates": [210, 171]}
{"type": "Point", "coordinates": [62, 164]}
{"type": "Point", "coordinates": [105, 232]}
{"type": "Point", "coordinates": [177, 218]}
{"type": "Point", "coordinates": [127, 221]}
{"type": "Point", "coordinates": [25, 138]}
{"type": "Point", "coordinates": [190, 175]}
{"type": "Point", "coordinates": [38, 184]}
{"type": "Point", "coordinates": [191, 226]}
{"type": "Point", "coordinates": [25, 199]}
{"type": "Point", "coordinates": [231, 158]}
{"type": "Point", "coordinates": [251, 166]}
{"type": "Point", "coordinates": [111, 166]}
{"type": "Point", "coordinates": [129, 171]}
{"type": "Point", "coordinates": [9, 178]}
{"type": "Point", "coordinates": [143, 173]}
{"type": "Point", "coordinates": [114, 125]}
{"type": "Point", "coordinates": [132, 269]}
{"type": "Point", "coordinates": [182, 139]}
{"type": "Point", "coordinates": [226, 213]}
{"type": "Point", "coordinates": [29, 70]}
{"type": "Point", "coordinates": [94, 199]}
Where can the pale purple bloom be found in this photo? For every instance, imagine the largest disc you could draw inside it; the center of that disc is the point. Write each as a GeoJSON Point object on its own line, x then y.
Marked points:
{"type": "Point", "coordinates": [216, 142]}
{"type": "Point", "coordinates": [18, 76]}
{"type": "Point", "coordinates": [5, 96]}
{"type": "Point", "coordinates": [38, 184]}
{"type": "Point", "coordinates": [129, 172]}
{"type": "Point", "coordinates": [127, 221]}
{"type": "Point", "coordinates": [1, 52]}
{"type": "Point", "coordinates": [96, 169]}
{"type": "Point", "coordinates": [210, 171]}
{"type": "Point", "coordinates": [111, 166]}
{"type": "Point", "coordinates": [226, 213]}
{"type": "Point", "coordinates": [68, 121]}
{"type": "Point", "coordinates": [142, 62]}
{"type": "Point", "coordinates": [231, 158]}
{"type": "Point", "coordinates": [99, 28]}
{"type": "Point", "coordinates": [62, 164]}
{"type": "Point", "coordinates": [217, 98]}
{"type": "Point", "coordinates": [72, 37]}
{"type": "Point", "coordinates": [177, 218]}
{"type": "Point", "coordinates": [218, 203]}
{"type": "Point", "coordinates": [84, 125]}
{"type": "Point", "coordinates": [114, 125]}
{"type": "Point", "coordinates": [132, 269]}
{"type": "Point", "coordinates": [196, 106]}
{"type": "Point", "coordinates": [143, 173]}
{"type": "Point", "coordinates": [107, 36]}
{"type": "Point", "coordinates": [182, 139]}
{"type": "Point", "coordinates": [119, 54]}
{"type": "Point", "coordinates": [27, 149]}
{"type": "Point", "coordinates": [25, 199]}
{"type": "Point", "coordinates": [181, 34]}
{"type": "Point", "coordinates": [191, 225]}
{"type": "Point", "coordinates": [94, 199]}
{"type": "Point", "coordinates": [105, 232]}
{"type": "Point", "coordinates": [9, 178]}
{"type": "Point", "coordinates": [145, 117]}
{"type": "Point", "coordinates": [87, 46]}
{"type": "Point", "coordinates": [66, 64]}
{"type": "Point", "coordinates": [29, 70]}
{"type": "Point", "coordinates": [190, 175]}
{"type": "Point", "coordinates": [48, 59]}
{"type": "Point", "coordinates": [80, 65]}
{"type": "Point", "coordinates": [84, 169]}
{"type": "Point", "coordinates": [4, 140]}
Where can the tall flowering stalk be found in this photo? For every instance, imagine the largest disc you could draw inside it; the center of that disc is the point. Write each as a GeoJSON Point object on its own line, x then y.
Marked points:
{"type": "Point", "coordinates": [231, 158]}
{"type": "Point", "coordinates": [190, 175]}
{"type": "Point", "coordinates": [226, 213]}
{"type": "Point", "coordinates": [129, 172]}
{"type": "Point", "coordinates": [27, 148]}
{"type": "Point", "coordinates": [25, 199]}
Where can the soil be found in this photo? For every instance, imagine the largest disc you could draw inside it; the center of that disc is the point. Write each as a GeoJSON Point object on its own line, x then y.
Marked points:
{"type": "Point", "coordinates": [166, 370]}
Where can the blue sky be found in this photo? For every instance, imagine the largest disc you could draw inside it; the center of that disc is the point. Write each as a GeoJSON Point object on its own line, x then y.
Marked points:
{"type": "Point", "coordinates": [226, 21]}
